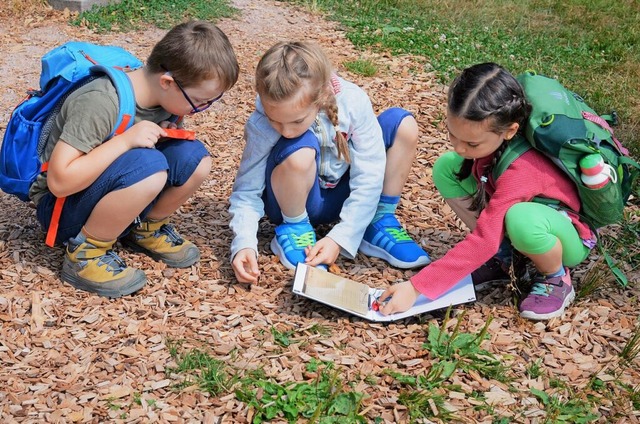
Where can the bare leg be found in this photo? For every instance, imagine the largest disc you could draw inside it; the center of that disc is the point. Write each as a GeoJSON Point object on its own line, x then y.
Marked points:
{"type": "Point", "coordinates": [118, 209]}
{"type": "Point", "coordinates": [461, 205]}
{"type": "Point", "coordinates": [381, 239]}
{"type": "Point", "coordinates": [292, 181]}
{"type": "Point", "coordinates": [400, 157]}
{"type": "Point", "coordinates": [174, 197]}
{"type": "Point", "coordinates": [548, 262]}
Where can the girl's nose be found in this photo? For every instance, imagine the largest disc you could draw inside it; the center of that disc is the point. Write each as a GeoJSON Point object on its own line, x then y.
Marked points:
{"type": "Point", "coordinates": [458, 147]}
{"type": "Point", "coordinates": [287, 132]}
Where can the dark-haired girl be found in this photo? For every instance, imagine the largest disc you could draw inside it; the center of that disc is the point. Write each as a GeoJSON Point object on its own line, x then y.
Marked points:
{"type": "Point", "coordinates": [486, 108]}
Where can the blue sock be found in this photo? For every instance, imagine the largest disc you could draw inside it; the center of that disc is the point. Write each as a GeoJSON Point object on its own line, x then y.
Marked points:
{"type": "Point", "coordinates": [80, 238]}
{"type": "Point", "coordinates": [560, 273]}
{"type": "Point", "coordinates": [387, 204]}
{"type": "Point", "coordinates": [303, 217]}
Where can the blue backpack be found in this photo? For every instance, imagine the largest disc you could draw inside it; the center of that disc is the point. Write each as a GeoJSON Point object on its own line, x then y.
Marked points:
{"type": "Point", "coordinates": [64, 69]}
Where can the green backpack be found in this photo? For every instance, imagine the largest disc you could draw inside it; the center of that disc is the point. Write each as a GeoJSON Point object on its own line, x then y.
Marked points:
{"type": "Point", "coordinates": [566, 129]}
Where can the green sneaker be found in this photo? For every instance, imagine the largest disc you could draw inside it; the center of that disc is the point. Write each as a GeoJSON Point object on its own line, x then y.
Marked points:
{"type": "Point", "coordinates": [162, 242]}
{"type": "Point", "coordinates": [93, 266]}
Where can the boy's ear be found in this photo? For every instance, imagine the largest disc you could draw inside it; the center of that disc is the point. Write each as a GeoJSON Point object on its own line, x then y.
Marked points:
{"type": "Point", "coordinates": [511, 131]}
{"type": "Point", "coordinates": [165, 81]}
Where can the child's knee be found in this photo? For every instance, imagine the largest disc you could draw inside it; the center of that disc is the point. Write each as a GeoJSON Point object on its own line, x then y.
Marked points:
{"type": "Point", "coordinates": [155, 183]}
{"type": "Point", "coordinates": [408, 131]}
{"type": "Point", "coordinates": [302, 161]}
{"type": "Point", "coordinates": [527, 235]}
{"type": "Point", "coordinates": [203, 169]}
{"type": "Point", "coordinates": [513, 219]}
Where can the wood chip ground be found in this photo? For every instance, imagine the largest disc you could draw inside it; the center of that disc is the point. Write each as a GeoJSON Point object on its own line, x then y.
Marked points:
{"type": "Point", "coordinates": [66, 356]}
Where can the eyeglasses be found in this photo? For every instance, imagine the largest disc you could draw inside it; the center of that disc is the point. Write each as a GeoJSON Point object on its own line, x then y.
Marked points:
{"type": "Point", "coordinates": [201, 106]}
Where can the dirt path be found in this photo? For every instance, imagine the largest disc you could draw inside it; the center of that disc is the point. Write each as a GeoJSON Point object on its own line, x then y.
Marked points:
{"type": "Point", "coordinates": [67, 356]}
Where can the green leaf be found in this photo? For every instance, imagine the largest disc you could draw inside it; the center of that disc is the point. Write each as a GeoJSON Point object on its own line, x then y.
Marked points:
{"type": "Point", "coordinates": [543, 396]}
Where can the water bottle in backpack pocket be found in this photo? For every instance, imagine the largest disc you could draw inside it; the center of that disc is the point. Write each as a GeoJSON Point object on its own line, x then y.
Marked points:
{"type": "Point", "coordinates": [567, 130]}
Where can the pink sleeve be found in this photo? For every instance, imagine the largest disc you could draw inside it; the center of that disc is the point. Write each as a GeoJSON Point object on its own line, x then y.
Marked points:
{"type": "Point", "coordinates": [519, 183]}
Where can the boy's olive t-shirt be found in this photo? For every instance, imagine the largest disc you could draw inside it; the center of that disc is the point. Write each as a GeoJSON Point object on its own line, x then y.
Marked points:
{"type": "Point", "coordinates": [86, 118]}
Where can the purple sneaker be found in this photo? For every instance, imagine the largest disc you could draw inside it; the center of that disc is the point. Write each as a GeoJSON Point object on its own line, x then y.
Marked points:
{"type": "Point", "coordinates": [548, 297]}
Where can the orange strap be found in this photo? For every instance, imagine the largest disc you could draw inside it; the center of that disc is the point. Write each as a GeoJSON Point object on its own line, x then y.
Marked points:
{"type": "Point", "coordinates": [123, 125]}
{"type": "Point", "coordinates": [55, 220]}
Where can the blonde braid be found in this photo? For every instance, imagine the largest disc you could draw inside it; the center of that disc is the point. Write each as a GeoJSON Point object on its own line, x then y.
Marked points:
{"type": "Point", "coordinates": [331, 109]}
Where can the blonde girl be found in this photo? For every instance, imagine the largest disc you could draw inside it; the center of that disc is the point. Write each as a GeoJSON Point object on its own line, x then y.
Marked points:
{"type": "Point", "coordinates": [317, 154]}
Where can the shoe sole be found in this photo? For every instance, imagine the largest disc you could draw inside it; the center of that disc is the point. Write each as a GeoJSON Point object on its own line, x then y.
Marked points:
{"type": "Point", "coordinates": [539, 317]}
{"type": "Point", "coordinates": [378, 252]}
{"type": "Point", "coordinates": [185, 263]}
{"type": "Point", "coordinates": [275, 248]}
{"type": "Point", "coordinates": [104, 289]}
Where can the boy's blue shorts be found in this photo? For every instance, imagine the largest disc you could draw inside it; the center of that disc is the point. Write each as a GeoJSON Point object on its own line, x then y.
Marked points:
{"type": "Point", "coordinates": [179, 157]}
{"type": "Point", "coordinates": [323, 205]}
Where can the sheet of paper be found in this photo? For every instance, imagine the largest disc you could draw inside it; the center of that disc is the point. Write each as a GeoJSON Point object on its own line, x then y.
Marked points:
{"type": "Point", "coordinates": [353, 297]}
{"type": "Point", "coordinates": [336, 291]}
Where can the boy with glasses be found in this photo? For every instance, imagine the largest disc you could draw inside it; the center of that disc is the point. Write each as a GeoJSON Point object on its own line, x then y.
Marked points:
{"type": "Point", "coordinates": [128, 187]}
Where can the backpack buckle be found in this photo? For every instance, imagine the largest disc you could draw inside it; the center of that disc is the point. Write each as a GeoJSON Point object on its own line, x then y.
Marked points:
{"type": "Point", "coordinates": [33, 92]}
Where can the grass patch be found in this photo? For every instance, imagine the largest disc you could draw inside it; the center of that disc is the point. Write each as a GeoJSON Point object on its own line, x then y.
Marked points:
{"type": "Point", "coordinates": [426, 394]}
{"type": "Point", "coordinates": [129, 15]}
{"type": "Point", "coordinates": [464, 350]}
{"type": "Point", "coordinates": [324, 400]}
{"type": "Point", "coordinates": [364, 67]}
{"type": "Point", "coordinates": [631, 349]}
{"type": "Point", "coordinates": [211, 375]}
{"type": "Point", "coordinates": [282, 338]}
{"type": "Point", "coordinates": [559, 39]}
{"type": "Point", "coordinates": [452, 351]}
{"type": "Point", "coordinates": [558, 410]}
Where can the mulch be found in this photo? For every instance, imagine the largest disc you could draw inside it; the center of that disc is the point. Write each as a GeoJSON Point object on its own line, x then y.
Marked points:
{"type": "Point", "coordinates": [68, 356]}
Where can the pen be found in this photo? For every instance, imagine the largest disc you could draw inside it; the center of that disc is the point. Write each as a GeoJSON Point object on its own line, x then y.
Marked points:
{"type": "Point", "coordinates": [376, 304]}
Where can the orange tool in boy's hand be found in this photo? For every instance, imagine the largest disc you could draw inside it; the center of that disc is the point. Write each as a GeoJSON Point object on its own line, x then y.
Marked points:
{"type": "Point", "coordinates": [180, 133]}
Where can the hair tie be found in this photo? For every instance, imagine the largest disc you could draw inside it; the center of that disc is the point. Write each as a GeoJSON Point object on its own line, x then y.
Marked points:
{"type": "Point", "coordinates": [483, 179]}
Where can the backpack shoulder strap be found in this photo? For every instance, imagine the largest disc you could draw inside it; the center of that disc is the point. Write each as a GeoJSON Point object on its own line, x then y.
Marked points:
{"type": "Point", "coordinates": [126, 114]}
{"type": "Point", "coordinates": [126, 97]}
{"type": "Point", "coordinates": [513, 151]}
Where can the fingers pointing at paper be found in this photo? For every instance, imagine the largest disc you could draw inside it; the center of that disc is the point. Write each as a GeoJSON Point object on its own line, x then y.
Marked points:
{"type": "Point", "coordinates": [398, 298]}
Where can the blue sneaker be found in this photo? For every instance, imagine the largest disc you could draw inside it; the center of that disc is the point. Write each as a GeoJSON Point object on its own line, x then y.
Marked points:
{"type": "Point", "coordinates": [386, 239]}
{"type": "Point", "coordinates": [290, 242]}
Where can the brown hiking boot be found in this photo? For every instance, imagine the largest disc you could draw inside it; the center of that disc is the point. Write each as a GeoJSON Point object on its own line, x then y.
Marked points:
{"type": "Point", "coordinates": [162, 242]}
{"type": "Point", "coordinates": [93, 266]}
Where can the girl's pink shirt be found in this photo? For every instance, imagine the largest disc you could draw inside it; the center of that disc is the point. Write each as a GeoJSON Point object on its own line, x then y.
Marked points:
{"type": "Point", "coordinates": [531, 175]}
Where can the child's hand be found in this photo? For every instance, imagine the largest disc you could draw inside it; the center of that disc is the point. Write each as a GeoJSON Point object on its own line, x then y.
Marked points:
{"type": "Point", "coordinates": [325, 251]}
{"type": "Point", "coordinates": [143, 134]}
{"type": "Point", "coordinates": [245, 266]}
{"type": "Point", "coordinates": [402, 297]}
